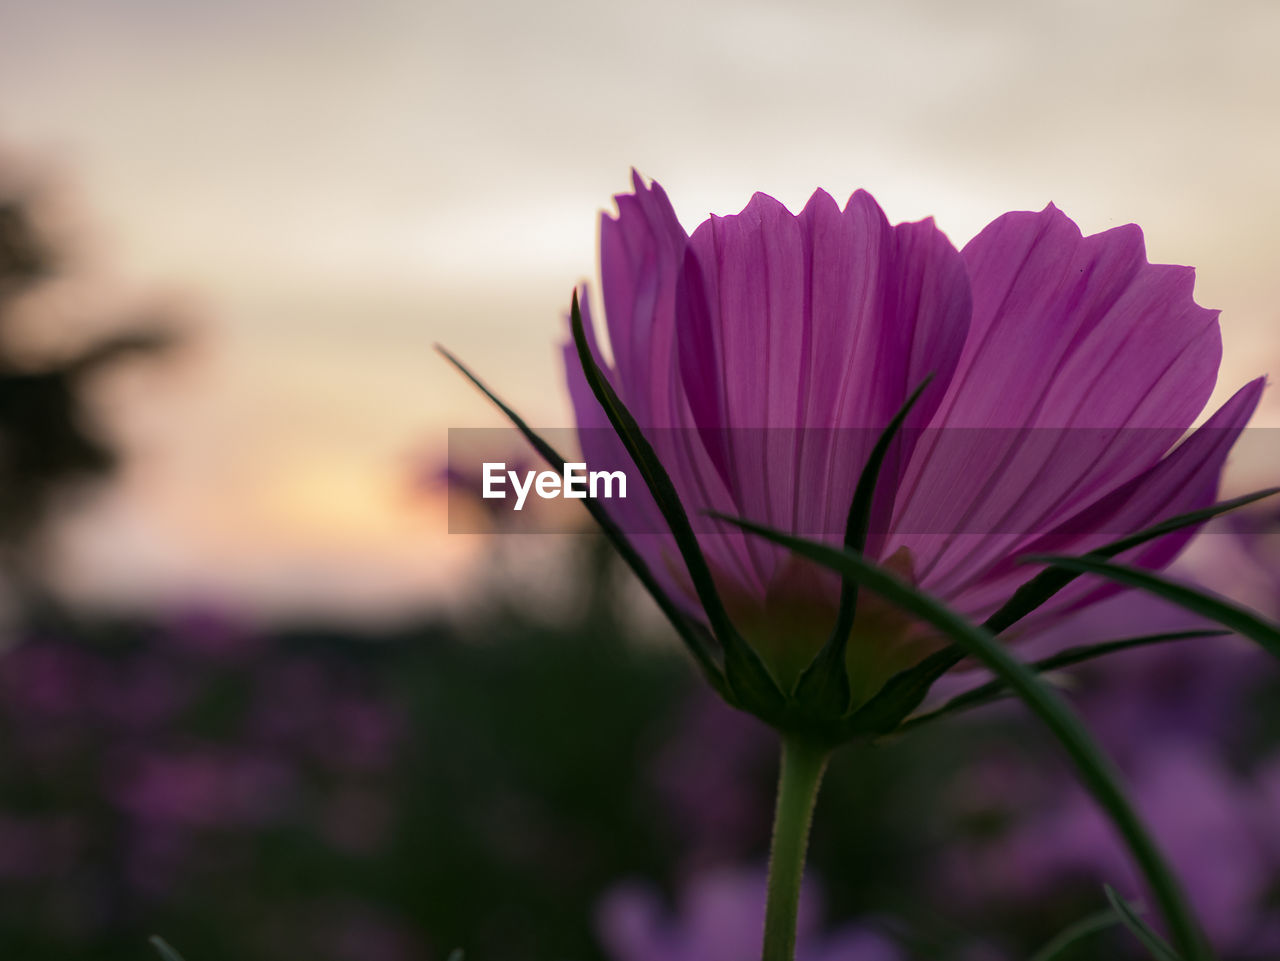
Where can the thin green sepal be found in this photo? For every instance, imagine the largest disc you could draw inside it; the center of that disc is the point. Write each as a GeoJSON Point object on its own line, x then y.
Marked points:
{"type": "Point", "coordinates": [1228, 614]}
{"type": "Point", "coordinates": [824, 686]}
{"type": "Point", "coordinates": [747, 677]}
{"type": "Point", "coordinates": [994, 690]}
{"type": "Point", "coordinates": [1044, 585]}
{"type": "Point", "coordinates": [689, 631]}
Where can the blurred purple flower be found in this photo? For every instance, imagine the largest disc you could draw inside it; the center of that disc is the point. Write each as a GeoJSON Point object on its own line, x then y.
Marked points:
{"type": "Point", "coordinates": [706, 777]}
{"type": "Point", "coordinates": [465, 482]}
{"type": "Point", "coordinates": [1242, 559]}
{"type": "Point", "coordinates": [290, 701]}
{"type": "Point", "coordinates": [359, 734]}
{"type": "Point", "coordinates": [302, 705]}
{"type": "Point", "coordinates": [1187, 691]}
{"type": "Point", "coordinates": [1170, 716]}
{"type": "Point", "coordinates": [212, 632]}
{"type": "Point", "coordinates": [133, 808]}
{"type": "Point", "coordinates": [204, 788]}
{"type": "Point", "coordinates": [1197, 810]}
{"type": "Point", "coordinates": [718, 918]}
{"type": "Point", "coordinates": [817, 327]}
{"type": "Point", "coordinates": [140, 692]}
{"type": "Point", "coordinates": [38, 846]}
{"type": "Point", "coordinates": [47, 679]}
{"type": "Point", "coordinates": [159, 858]}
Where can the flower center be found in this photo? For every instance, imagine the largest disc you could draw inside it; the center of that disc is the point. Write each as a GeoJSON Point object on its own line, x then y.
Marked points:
{"type": "Point", "coordinates": [795, 618]}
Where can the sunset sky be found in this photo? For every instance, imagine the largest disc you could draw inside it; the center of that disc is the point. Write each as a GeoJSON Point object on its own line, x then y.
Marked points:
{"type": "Point", "coordinates": [325, 189]}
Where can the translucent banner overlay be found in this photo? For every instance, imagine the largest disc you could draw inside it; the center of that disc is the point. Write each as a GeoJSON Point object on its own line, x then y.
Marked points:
{"type": "Point", "coordinates": [1025, 481]}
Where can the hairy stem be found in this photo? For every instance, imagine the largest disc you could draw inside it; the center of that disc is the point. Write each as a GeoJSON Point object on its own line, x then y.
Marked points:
{"type": "Point", "coordinates": [803, 765]}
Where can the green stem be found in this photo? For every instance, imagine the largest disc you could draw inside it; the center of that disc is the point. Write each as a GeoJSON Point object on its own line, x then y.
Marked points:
{"type": "Point", "coordinates": [803, 764]}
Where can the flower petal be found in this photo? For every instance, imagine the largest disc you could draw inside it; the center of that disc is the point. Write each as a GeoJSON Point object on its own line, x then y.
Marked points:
{"type": "Point", "coordinates": [641, 251]}
{"type": "Point", "coordinates": [1186, 480]}
{"type": "Point", "coordinates": [1084, 364]}
{"type": "Point", "coordinates": [800, 338]}
{"type": "Point", "coordinates": [638, 514]}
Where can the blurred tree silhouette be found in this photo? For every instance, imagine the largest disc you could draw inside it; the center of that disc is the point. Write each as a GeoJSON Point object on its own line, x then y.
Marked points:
{"type": "Point", "coordinates": [48, 438]}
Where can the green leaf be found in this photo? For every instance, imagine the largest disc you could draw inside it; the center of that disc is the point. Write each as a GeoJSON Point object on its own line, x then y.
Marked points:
{"type": "Point", "coordinates": [456, 955]}
{"type": "Point", "coordinates": [995, 690]}
{"type": "Point", "coordinates": [1096, 772]}
{"type": "Point", "coordinates": [825, 682]}
{"type": "Point", "coordinates": [747, 676]}
{"type": "Point", "coordinates": [1044, 585]}
{"type": "Point", "coordinates": [1237, 618]}
{"type": "Point", "coordinates": [1158, 946]}
{"type": "Point", "coordinates": [163, 949]}
{"type": "Point", "coordinates": [902, 694]}
{"type": "Point", "coordinates": [1072, 935]}
{"type": "Point", "coordinates": [692, 633]}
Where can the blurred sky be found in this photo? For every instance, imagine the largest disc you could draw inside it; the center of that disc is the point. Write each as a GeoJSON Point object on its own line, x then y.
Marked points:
{"type": "Point", "coordinates": [331, 187]}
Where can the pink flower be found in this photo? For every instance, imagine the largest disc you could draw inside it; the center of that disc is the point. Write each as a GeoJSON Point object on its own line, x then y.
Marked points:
{"type": "Point", "coordinates": [763, 354]}
{"type": "Point", "coordinates": [717, 918]}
